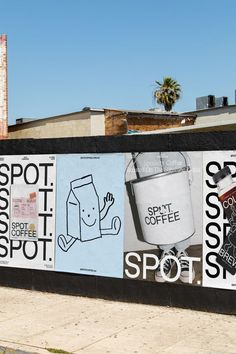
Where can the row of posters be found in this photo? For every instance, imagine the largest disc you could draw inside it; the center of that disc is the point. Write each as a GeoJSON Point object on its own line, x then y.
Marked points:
{"type": "Point", "coordinates": [160, 216]}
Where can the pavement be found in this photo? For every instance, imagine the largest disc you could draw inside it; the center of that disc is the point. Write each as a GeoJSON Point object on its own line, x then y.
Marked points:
{"type": "Point", "coordinates": [36, 322]}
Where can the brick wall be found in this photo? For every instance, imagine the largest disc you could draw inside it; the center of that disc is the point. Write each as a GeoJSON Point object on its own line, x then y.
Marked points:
{"type": "Point", "coordinates": [118, 122]}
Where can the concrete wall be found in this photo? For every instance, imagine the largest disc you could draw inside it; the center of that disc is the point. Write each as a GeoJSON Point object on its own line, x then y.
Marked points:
{"type": "Point", "coordinates": [218, 115]}
{"type": "Point", "coordinates": [72, 125]}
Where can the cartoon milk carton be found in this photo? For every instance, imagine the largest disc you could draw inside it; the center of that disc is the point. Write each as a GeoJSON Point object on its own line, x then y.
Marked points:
{"type": "Point", "coordinates": [84, 215]}
{"type": "Point", "coordinates": [83, 210]}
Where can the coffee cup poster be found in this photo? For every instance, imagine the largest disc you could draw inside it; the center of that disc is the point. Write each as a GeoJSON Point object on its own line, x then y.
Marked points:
{"type": "Point", "coordinates": [27, 211]}
{"type": "Point", "coordinates": [219, 244]}
{"type": "Point", "coordinates": [90, 214]}
{"type": "Point", "coordinates": [163, 228]}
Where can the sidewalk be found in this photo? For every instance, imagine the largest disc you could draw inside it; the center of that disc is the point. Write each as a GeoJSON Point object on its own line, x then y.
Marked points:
{"type": "Point", "coordinates": [31, 321]}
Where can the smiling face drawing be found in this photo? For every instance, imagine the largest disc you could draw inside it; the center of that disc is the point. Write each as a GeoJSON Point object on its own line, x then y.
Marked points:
{"type": "Point", "coordinates": [89, 215]}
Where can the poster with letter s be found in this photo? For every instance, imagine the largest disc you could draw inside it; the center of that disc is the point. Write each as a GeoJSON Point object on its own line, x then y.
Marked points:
{"type": "Point", "coordinates": [219, 220]}
{"type": "Point", "coordinates": [27, 211]}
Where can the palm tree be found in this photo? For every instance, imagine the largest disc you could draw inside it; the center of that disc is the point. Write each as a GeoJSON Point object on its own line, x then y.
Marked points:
{"type": "Point", "coordinates": [167, 92]}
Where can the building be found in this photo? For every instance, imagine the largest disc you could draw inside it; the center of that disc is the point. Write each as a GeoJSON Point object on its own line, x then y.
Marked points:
{"type": "Point", "coordinates": [216, 118]}
{"type": "Point", "coordinates": [212, 114]}
{"type": "Point", "coordinates": [83, 123]}
{"type": "Point", "coordinates": [92, 122]}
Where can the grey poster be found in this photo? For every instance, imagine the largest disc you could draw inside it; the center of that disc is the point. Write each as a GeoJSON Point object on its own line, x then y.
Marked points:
{"type": "Point", "coordinates": [163, 217]}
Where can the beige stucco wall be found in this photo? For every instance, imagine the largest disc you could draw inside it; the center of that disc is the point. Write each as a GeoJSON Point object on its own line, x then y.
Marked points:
{"type": "Point", "coordinates": [218, 116]}
{"type": "Point", "coordinates": [74, 125]}
{"type": "Point", "coordinates": [222, 119]}
{"type": "Point", "coordinates": [97, 123]}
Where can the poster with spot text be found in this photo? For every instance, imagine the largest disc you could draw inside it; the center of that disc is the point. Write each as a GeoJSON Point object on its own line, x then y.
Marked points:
{"type": "Point", "coordinates": [219, 221]}
{"type": "Point", "coordinates": [163, 217]}
{"type": "Point", "coordinates": [27, 211]}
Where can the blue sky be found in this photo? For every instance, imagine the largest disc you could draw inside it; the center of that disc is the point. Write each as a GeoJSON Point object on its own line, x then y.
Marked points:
{"type": "Point", "coordinates": [67, 54]}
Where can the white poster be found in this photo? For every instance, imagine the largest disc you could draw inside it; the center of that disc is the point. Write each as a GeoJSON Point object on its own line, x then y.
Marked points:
{"type": "Point", "coordinates": [219, 219]}
{"type": "Point", "coordinates": [27, 211]}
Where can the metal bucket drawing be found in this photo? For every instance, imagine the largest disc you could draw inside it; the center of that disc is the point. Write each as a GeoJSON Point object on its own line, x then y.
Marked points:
{"type": "Point", "coordinates": [160, 199]}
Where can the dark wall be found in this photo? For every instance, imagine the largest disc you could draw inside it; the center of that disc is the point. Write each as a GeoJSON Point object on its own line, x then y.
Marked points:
{"type": "Point", "coordinates": [187, 296]}
{"type": "Point", "coordinates": [127, 143]}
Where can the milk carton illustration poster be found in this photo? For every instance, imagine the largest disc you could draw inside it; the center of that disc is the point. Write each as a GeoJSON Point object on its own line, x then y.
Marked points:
{"type": "Point", "coordinates": [27, 209]}
{"type": "Point", "coordinates": [90, 213]}
{"type": "Point", "coordinates": [163, 217]}
{"type": "Point", "coordinates": [219, 222]}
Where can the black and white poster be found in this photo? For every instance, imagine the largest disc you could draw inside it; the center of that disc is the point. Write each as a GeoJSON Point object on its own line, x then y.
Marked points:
{"type": "Point", "coordinates": [163, 217]}
{"type": "Point", "coordinates": [90, 214]}
{"type": "Point", "coordinates": [219, 241]}
{"type": "Point", "coordinates": [27, 211]}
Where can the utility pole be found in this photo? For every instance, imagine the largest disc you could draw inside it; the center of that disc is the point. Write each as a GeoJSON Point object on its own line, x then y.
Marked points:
{"type": "Point", "coordinates": [3, 88]}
